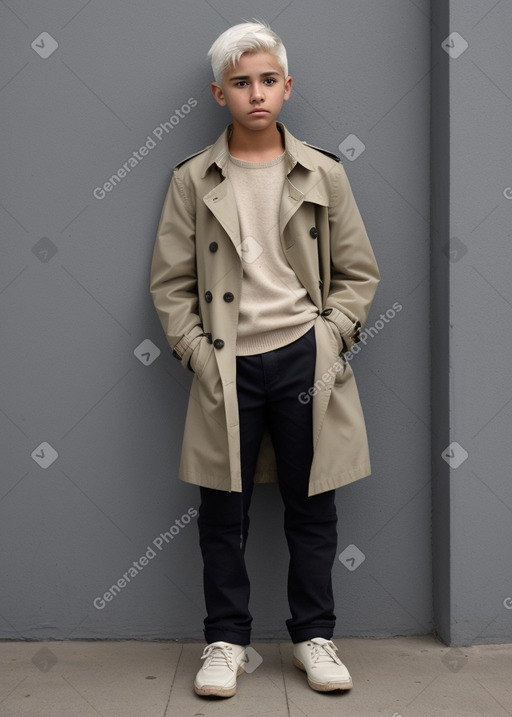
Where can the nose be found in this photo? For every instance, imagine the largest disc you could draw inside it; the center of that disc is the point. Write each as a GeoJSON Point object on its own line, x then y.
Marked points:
{"type": "Point", "coordinates": [257, 92]}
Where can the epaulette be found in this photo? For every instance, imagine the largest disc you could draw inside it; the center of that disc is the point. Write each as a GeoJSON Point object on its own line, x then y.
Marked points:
{"type": "Point", "coordinates": [191, 156]}
{"type": "Point", "coordinates": [324, 151]}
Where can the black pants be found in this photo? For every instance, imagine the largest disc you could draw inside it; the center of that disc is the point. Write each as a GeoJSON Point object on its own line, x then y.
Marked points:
{"type": "Point", "coordinates": [268, 387]}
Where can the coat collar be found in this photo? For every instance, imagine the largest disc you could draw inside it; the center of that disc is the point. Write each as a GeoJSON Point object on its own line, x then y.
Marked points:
{"type": "Point", "coordinates": [294, 152]}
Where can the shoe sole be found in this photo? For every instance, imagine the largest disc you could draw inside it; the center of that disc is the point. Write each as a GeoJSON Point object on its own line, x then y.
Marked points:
{"type": "Point", "coordinates": [215, 690]}
{"type": "Point", "coordinates": [323, 686]}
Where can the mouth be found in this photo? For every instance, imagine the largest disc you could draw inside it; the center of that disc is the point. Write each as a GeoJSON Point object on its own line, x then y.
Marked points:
{"type": "Point", "coordinates": [259, 112]}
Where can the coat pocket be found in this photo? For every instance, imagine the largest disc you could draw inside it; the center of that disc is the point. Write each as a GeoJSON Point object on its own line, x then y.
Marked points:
{"type": "Point", "coordinates": [336, 334]}
{"type": "Point", "coordinates": [331, 364]}
{"type": "Point", "coordinates": [200, 356]}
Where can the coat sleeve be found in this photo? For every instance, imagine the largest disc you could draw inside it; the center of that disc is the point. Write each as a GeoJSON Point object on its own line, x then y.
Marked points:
{"type": "Point", "coordinates": [354, 272]}
{"type": "Point", "coordinates": [173, 283]}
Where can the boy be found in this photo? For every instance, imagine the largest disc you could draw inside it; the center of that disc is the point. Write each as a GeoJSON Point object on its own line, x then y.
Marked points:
{"type": "Point", "coordinates": [262, 276]}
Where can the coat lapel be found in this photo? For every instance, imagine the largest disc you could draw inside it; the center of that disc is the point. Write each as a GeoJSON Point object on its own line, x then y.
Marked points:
{"type": "Point", "coordinates": [222, 204]}
{"type": "Point", "coordinates": [291, 200]}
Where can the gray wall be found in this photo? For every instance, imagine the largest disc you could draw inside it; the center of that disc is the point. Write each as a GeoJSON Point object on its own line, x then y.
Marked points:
{"type": "Point", "coordinates": [85, 365]}
{"type": "Point", "coordinates": [471, 323]}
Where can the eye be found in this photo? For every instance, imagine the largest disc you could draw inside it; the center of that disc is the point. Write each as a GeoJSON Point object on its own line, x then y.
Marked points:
{"type": "Point", "coordinates": [270, 81]}
{"type": "Point", "coordinates": [241, 83]}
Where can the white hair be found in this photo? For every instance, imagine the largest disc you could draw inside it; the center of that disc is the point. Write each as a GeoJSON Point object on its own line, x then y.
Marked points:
{"type": "Point", "coordinates": [229, 47]}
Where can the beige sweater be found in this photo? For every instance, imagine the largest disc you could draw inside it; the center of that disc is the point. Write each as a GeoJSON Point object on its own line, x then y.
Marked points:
{"type": "Point", "coordinates": [275, 308]}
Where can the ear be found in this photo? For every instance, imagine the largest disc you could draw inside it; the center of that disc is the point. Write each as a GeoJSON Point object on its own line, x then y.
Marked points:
{"type": "Point", "coordinates": [218, 94]}
{"type": "Point", "coordinates": [288, 86]}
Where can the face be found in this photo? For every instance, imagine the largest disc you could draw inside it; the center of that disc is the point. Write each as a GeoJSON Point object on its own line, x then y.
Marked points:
{"type": "Point", "coordinates": [254, 90]}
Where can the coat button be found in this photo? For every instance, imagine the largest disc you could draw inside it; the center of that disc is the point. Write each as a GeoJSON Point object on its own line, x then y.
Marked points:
{"type": "Point", "coordinates": [313, 233]}
{"type": "Point", "coordinates": [218, 343]}
{"type": "Point", "coordinates": [213, 246]}
{"type": "Point", "coordinates": [208, 297]}
{"type": "Point", "coordinates": [228, 296]}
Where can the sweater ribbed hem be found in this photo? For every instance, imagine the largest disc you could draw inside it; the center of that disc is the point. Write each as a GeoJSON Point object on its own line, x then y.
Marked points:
{"type": "Point", "coordinates": [270, 340]}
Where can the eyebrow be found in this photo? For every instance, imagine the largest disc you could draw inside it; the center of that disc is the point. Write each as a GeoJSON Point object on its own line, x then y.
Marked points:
{"type": "Point", "coordinates": [273, 73]}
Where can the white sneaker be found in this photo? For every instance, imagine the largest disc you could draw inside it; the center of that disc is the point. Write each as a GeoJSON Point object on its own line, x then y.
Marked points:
{"type": "Point", "coordinates": [223, 662]}
{"type": "Point", "coordinates": [325, 671]}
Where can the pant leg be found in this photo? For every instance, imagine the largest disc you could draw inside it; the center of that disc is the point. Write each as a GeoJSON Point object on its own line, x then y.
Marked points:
{"type": "Point", "coordinates": [309, 522]}
{"type": "Point", "coordinates": [225, 579]}
{"type": "Point", "coordinates": [223, 522]}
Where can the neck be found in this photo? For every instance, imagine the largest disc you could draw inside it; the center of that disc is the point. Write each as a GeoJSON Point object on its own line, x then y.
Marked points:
{"type": "Point", "coordinates": [256, 146]}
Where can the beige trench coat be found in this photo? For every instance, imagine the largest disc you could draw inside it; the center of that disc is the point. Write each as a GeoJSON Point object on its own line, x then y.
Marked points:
{"type": "Point", "coordinates": [196, 278]}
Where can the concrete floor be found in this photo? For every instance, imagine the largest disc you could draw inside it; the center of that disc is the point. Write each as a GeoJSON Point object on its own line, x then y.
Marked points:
{"type": "Point", "coordinates": [396, 677]}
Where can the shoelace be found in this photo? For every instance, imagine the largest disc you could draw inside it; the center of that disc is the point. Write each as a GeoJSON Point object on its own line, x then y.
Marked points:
{"type": "Point", "coordinates": [324, 653]}
{"type": "Point", "coordinates": [218, 656]}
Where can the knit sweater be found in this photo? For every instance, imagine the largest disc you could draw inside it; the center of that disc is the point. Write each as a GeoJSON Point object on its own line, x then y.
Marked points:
{"type": "Point", "coordinates": [275, 308]}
